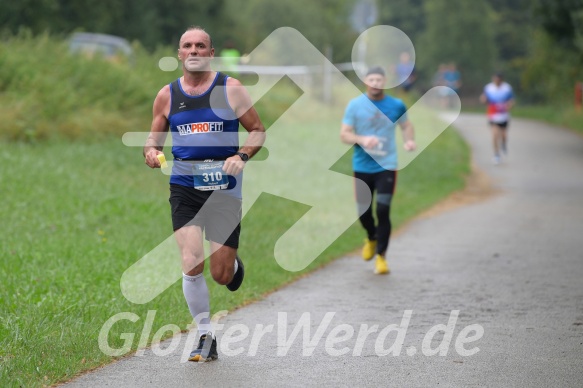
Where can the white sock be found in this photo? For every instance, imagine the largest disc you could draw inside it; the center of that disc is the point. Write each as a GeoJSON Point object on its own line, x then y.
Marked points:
{"type": "Point", "coordinates": [196, 294]}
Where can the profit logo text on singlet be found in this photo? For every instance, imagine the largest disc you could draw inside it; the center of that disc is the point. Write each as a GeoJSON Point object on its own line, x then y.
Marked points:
{"type": "Point", "coordinates": [194, 128]}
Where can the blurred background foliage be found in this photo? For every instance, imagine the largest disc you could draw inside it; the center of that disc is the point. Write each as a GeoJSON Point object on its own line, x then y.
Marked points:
{"type": "Point", "coordinates": [538, 44]}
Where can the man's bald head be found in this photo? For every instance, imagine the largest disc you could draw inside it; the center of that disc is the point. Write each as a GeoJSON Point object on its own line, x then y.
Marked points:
{"type": "Point", "coordinates": [198, 28]}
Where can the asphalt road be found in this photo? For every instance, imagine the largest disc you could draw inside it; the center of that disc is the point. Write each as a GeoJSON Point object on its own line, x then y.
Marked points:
{"type": "Point", "coordinates": [510, 268]}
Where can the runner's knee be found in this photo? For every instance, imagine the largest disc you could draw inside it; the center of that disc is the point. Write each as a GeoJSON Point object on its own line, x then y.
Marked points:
{"type": "Point", "coordinates": [384, 199]}
{"type": "Point", "coordinates": [222, 274]}
{"type": "Point", "coordinates": [383, 206]}
{"type": "Point", "coordinates": [222, 264]}
{"type": "Point", "coordinates": [192, 265]}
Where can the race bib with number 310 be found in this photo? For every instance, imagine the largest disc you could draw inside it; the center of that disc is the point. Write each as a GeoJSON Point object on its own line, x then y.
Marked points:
{"type": "Point", "coordinates": [209, 175]}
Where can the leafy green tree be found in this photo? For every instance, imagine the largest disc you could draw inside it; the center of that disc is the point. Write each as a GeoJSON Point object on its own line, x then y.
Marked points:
{"type": "Point", "coordinates": [324, 23]}
{"type": "Point", "coordinates": [36, 15]}
{"type": "Point", "coordinates": [563, 21]}
{"type": "Point", "coordinates": [459, 31]}
{"type": "Point", "coordinates": [556, 60]}
{"type": "Point", "coordinates": [406, 15]}
{"type": "Point", "coordinates": [513, 24]}
{"type": "Point", "coordinates": [152, 22]}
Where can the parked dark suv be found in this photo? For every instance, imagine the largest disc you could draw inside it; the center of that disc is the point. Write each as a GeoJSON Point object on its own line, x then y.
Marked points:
{"type": "Point", "coordinates": [111, 47]}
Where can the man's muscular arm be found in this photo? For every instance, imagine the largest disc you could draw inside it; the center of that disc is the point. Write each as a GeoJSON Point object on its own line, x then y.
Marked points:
{"type": "Point", "coordinates": [241, 103]}
{"type": "Point", "coordinates": [157, 137]}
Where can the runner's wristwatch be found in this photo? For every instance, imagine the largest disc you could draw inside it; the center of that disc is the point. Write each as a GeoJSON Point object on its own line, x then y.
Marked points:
{"type": "Point", "coordinates": [244, 157]}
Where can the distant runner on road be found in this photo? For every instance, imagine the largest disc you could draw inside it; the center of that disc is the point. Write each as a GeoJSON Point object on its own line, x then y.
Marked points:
{"type": "Point", "coordinates": [369, 123]}
{"type": "Point", "coordinates": [499, 97]}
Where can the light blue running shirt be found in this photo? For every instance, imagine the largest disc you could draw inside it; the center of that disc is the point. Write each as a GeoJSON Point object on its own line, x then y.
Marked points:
{"type": "Point", "coordinates": [376, 118]}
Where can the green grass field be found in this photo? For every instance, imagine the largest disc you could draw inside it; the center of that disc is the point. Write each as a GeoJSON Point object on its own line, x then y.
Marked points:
{"type": "Point", "coordinates": [565, 116]}
{"type": "Point", "coordinates": [79, 209]}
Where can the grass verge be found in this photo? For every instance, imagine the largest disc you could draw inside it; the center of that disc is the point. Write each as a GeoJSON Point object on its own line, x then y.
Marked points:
{"type": "Point", "coordinates": [563, 116]}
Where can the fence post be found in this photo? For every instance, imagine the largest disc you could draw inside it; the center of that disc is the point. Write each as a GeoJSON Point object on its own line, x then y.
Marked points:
{"type": "Point", "coordinates": [578, 96]}
{"type": "Point", "coordinates": [327, 77]}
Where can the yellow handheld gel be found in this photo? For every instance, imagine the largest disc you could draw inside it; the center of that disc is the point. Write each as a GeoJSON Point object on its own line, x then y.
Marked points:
{"type": "Point", "coordinates": [162, 160]}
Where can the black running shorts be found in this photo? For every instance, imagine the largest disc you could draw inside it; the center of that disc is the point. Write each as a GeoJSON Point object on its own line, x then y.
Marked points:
{"type": "Point", "coordinates": [217, 213]}
{"type": "Point", "coordinates": [502, 125]}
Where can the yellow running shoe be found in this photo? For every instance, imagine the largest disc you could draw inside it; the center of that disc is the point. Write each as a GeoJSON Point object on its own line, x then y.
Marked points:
{"type": "Point", "coordinates": [369, 248]}
{"type": "Point", "coordinates": [380, 266]}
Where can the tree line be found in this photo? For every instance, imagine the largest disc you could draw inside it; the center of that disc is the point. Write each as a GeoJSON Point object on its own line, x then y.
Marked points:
{"type": "Point", "coordinates": [538, 44]}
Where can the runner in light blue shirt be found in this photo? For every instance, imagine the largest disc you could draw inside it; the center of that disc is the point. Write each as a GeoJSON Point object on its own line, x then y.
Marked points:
{"type": "Point", "coordinates": [369, 123]}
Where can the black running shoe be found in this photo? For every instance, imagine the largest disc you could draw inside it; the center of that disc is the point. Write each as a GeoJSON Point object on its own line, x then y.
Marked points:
{"type": "Point", "coordinates": [238, 278]}
{"type": "Point", "coordinates": [205, 351]}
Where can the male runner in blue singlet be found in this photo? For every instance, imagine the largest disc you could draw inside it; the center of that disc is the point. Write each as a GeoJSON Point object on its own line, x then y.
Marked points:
{"type": "Point", "coordinates": [369, 123]}
{"type": "Point", "coordinates": [203, 109]}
